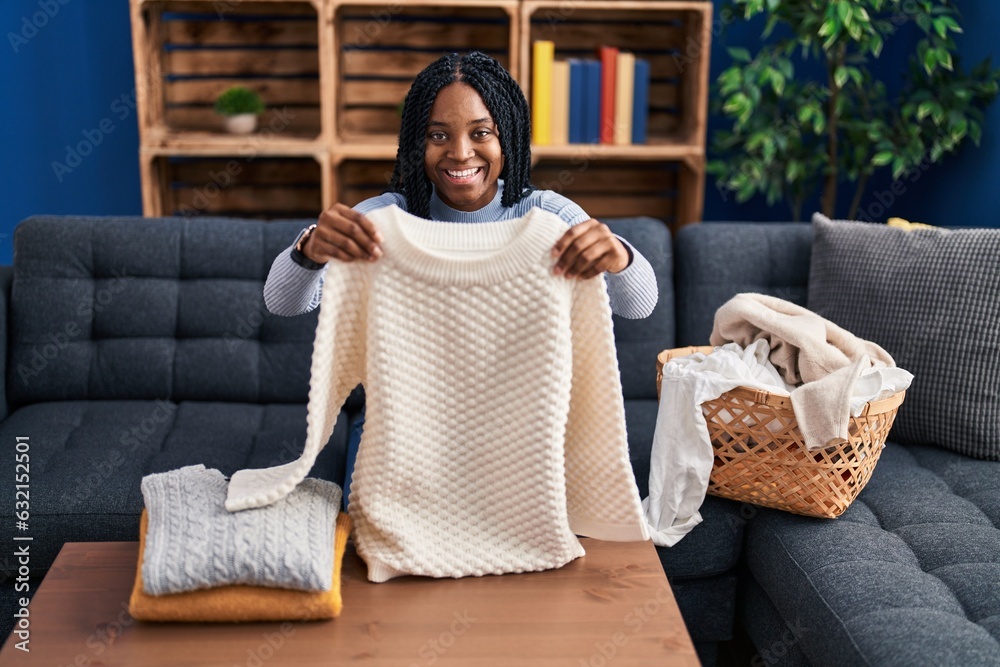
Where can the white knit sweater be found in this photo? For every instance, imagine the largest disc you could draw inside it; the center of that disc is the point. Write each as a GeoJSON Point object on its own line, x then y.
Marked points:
{"type": "Point", "coordinates": [495, 428]}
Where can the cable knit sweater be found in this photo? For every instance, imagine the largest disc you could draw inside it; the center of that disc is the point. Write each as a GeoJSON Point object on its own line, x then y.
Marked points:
{"type": "Point", "coordinates": [496, 429]}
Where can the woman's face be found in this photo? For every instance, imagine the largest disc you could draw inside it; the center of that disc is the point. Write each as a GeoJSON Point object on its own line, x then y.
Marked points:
{"type": "Point", "coordinates": [462, 156]}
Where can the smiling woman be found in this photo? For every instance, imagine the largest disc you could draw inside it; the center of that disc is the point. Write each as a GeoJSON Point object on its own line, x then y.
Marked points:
{"type": "Point", "coordinates": [464, 156]}
{"type": "Point", "coordinates": [461, 155]}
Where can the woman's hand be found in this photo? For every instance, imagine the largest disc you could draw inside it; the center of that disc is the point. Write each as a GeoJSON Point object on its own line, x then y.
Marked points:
{"type": "Point", "coordinates": [343, 233]}
{"type": "Point", "coordinates": [587, 249]}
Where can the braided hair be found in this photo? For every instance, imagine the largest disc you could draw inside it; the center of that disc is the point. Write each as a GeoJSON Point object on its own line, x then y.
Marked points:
{"type": "Point", "coordinates": [507, 105]}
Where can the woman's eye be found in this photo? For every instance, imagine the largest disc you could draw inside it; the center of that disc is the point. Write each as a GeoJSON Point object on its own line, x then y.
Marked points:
{"type": "Point", "coordinates": [436, 136]}
{"type": "Point", "coordinates": [481, 133]}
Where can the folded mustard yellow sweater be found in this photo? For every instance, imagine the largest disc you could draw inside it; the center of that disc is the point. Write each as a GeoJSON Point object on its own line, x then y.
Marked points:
{"type": "Point", "coordinates": [240, 602]}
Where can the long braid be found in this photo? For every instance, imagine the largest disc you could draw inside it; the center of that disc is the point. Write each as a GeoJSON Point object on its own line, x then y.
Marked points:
{"type": "Point", "coordinates": [503, 99]}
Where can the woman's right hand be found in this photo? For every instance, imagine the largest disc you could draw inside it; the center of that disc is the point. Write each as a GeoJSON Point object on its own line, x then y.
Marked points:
{"type": "Point", "coordinates": [343, 233]}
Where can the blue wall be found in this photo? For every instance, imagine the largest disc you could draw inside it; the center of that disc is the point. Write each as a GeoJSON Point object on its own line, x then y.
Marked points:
{"type": "Point", "coordinates": [70, 82]}
{"type": "Point", "coordinates": [59, 85]}
{"type": "Point", "coordinates": [963, 189]}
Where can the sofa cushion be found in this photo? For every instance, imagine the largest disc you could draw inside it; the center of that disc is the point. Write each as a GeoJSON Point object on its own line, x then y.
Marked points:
{"type": "Point", "coordinates": [708, 606]}
{"type": "Point", "coordinates": [713, 546]}
{"type": "Point", "coordinates": [909, 574]}
{"type": "Point", "coordinates": [931, 298]}
{"type": "Point", "coordinates": [716, 261]}
{"type": "Point", "coordinates": [777, 644]}
{"type": "Point", "coordinates": [139, 308]}
{"type": "Point", "coordinates": [639, 341]}
{"type": "Point", "coordinates": [87, 459]}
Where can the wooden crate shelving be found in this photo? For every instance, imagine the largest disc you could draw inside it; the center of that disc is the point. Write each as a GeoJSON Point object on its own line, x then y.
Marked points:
{"type": "Point", "coordinates": [333, 73]}
{"type": "Point", "coordinates": [262, 187]}
{"type": "Point", "coordinates": [189, 52]}
{"type": "Point", "coordinates": [381, 48]}
{"type": "Point", "coordinates": [361, 179]}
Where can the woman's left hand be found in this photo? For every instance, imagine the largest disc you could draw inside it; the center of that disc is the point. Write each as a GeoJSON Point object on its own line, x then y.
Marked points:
{"type": "Point", "coordinates": [587, 249]}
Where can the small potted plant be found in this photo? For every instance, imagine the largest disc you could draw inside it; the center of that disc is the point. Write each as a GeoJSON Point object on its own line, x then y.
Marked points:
{"type": "Point", "coordinates": [240, 107]}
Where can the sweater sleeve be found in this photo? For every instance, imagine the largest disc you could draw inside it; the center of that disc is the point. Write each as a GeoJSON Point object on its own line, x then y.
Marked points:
{"type": "Point", "coordinates": [601, 493]}
{"type": "Point", "coordinates": [292, 289]}
{"type": "Point", "coordinates": [633, 291]}
{"type": "Point", "coordinates": [338, 363]}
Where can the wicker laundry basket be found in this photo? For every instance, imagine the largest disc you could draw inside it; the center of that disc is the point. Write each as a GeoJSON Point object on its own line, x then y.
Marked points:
{"type": "Point", "coordinates": [761, 458]}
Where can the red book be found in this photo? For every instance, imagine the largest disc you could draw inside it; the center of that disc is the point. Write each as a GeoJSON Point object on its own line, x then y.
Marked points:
{"type": "Point", "coordinates": [608, 56]}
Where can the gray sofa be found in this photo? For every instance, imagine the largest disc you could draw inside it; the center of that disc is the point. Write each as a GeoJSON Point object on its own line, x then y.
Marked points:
{"type": "Point", "coordinates": [910, 574]}
{"type": "Point", "coordinates": [136, 346]}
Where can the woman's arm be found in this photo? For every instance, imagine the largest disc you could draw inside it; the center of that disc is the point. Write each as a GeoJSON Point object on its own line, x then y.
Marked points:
{"type": "Point", "coordinates": [295, 283]}
{"type": "Point", "coordinates": [632, 290]}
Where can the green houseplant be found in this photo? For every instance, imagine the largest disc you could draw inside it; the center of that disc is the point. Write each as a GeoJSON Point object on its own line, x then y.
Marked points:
{"type": "Point", "coordinates": [793, 136]}
{"type": "Point", "coordinates": [240, 107]}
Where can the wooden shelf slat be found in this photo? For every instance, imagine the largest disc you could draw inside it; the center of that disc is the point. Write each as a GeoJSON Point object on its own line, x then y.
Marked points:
{"type": "Point", "coordinates": [166, 142]}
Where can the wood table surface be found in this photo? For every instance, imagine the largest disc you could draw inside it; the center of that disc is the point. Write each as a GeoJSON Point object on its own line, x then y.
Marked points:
{"type": "Point", "coordinates": [610, 607]}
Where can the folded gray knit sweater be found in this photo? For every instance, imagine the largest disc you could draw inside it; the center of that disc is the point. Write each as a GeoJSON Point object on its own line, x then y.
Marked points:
{"type": "Point", "coordinates": [193, 542]}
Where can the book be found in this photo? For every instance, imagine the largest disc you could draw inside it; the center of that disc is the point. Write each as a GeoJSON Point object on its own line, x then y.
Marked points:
{"type": "Point", "coordinates": [608, 55]}
{"type": "Point", "coordinates": [560, 102]}
{"type": "Point", "coordinates": [577, 99]}
{"type": "Point", "coordinates": [541, 92]}
{"type": "Point", "coordinates": [624, 89]}
{"type": "Point", "coordinates": [640, 102]}
{"type": "Point", "coordinates": [592, 110]}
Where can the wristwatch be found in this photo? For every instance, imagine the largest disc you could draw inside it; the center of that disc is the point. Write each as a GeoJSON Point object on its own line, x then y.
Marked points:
{"type": "Point", "coordinates": [304, 236]}
{"type": "Point", "coordinates": [298, 256]}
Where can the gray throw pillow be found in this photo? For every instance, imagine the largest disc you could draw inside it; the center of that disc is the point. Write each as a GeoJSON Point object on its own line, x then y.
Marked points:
{"type": "Point", "coordinates": [931, 298]}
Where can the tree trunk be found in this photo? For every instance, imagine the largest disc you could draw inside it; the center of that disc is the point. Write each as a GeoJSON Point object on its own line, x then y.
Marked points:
{"type": "Point", "coordinates": [796, 206]}
{"type": "Point", "coordinates": [830, 184]}
{"type": "Point", "coordinates": [858, 193]}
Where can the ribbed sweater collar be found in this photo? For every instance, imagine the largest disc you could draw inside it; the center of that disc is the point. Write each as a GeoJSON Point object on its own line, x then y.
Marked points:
{"type": "Point", "coordinates": [489, 213]}
{"type": "Point", "coordinates": [450, 254]}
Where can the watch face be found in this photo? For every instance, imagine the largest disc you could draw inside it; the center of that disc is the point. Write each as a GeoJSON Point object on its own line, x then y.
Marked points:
{"type": "Point", "coordinates": [300, 242]}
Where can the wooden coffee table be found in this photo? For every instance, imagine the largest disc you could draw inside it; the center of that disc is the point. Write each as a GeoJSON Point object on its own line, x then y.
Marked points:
{"type": "Point", "coordinates": [611, 607]}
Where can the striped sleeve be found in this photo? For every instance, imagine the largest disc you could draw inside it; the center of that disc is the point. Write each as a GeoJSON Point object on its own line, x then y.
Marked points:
{"type": "Point", "coordinates": [633, 291]}
{"type": "Point", "coordinates": [292, 289]}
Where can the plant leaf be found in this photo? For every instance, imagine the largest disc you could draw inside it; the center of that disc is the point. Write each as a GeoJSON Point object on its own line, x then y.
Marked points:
{"type": "Point", "coordinates": [739, 54]}
{"type": "Point", "coordinates": [882, 159]}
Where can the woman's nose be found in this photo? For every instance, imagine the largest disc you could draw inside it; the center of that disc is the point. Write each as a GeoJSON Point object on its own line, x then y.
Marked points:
{"type": "Point", "coordinates": [460, 148]}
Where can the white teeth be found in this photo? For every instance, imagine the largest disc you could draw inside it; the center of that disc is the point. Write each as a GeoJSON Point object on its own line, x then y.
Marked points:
{"type": "Point", "coordinates": [465, 173]}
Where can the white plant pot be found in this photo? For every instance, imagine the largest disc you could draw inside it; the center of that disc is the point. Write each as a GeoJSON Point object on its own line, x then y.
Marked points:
{"type": "Point", "coordinates": [241, 123]}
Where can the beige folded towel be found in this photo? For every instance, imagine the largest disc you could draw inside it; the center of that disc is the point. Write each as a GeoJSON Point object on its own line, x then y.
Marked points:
{"type": "Point", "coordinates": [807, 350]}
